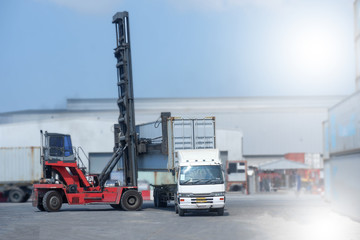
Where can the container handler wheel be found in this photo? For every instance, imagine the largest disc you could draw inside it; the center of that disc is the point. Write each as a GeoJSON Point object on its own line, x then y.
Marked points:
{"type": "Point", "coordinates": [40, 207]}
{"type": "Point", "coordinates": [131, 200]}
{"type": "Point", "coordinates": [116, 206]}
{"type": "Point", "coordinates": [52, 201]}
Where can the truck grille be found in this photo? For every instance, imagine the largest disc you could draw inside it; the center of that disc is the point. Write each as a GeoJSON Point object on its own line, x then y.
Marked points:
{"type": "Point", "coordinates": [201, 198]}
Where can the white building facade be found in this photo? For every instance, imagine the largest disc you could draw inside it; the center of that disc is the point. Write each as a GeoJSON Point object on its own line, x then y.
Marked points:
{"type": "Point", "coordinates": [255, 128]}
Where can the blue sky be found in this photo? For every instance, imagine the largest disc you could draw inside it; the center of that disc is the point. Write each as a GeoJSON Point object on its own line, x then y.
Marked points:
{"type": "Point", "coordinates": [51, 50]}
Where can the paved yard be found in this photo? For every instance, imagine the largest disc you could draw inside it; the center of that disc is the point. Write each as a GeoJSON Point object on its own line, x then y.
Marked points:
{"type": "Point", "coordinates": [271, 216]}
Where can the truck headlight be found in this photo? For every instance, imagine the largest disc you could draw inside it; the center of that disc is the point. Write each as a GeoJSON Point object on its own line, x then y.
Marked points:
{"type": "Point", "coordinates": [184, 194]}
{"type": "Point", "coordinates": [218, 194]}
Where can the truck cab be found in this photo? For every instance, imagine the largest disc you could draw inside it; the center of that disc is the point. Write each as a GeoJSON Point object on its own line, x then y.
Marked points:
{"type": "Point", "coordinates": [200, 181]}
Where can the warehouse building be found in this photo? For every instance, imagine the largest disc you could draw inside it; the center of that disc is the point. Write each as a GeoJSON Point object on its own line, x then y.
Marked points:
{"type": "Point", "coordinates": [258, 129]}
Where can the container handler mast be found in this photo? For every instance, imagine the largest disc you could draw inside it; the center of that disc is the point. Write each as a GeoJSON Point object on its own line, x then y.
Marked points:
{"type": "Point", "coordinates": [65, 181]}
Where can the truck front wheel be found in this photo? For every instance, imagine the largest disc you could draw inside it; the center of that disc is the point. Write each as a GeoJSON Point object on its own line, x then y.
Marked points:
{"type": "Point", "coordinates": [181, 212]}
{"type": "Point", "coordinates": [52, 201]}
{"type": "Point", "coordinates": [220, 211]}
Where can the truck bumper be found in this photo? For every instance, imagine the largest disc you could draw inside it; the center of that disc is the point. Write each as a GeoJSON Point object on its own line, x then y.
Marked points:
{"type": "Point", "coordinates": [201, 203]}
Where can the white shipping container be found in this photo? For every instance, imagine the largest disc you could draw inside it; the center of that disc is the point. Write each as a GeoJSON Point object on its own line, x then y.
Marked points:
{"type": "Point", "coordinates": [190, 134]}
{"type": "Point", "coordinates": [20, 165]}
{"type": "Point", "coordinates": [314, 160]}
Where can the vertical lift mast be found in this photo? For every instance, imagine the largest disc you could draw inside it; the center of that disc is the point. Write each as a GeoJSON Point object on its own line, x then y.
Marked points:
{"type": "Point", "coordinates": [124, 131]}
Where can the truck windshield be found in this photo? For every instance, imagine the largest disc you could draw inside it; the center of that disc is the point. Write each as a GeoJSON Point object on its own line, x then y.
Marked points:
{"type": "Point", "coordinates": [201, 175]}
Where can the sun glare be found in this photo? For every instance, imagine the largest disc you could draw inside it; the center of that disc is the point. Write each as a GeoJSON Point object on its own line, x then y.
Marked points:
{"type": "Point", "coordinates": [314, 51]}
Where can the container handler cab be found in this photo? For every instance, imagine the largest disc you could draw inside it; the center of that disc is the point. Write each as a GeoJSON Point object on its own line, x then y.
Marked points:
{"type": "Point", "coordinates": [65, 181]}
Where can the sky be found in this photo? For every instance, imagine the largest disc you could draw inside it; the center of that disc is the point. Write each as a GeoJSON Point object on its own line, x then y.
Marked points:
{"type": "Point", "coordinates": [51, 50]}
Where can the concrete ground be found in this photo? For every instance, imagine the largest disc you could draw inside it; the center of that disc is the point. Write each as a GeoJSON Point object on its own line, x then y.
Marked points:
{"type": "Point", "coordinates": [266, 216]}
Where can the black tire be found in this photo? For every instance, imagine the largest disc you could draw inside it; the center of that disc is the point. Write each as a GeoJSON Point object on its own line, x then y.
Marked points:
{"type": "Point", "coordinates": [181, 212]}
{"type": "Point", "coordinates": [116, 206]}
{"type": "Point", "coordinates": [40, 207]}
{"type": "Point", "coordinates": [176, 209]}
{"type": "Point", "coordinates": [52, 201]}
{"type": "Point", "coordinates": [220, 211]}
{"type": "Point", "coordinates": [26, 197]}
{"type": "Point", "coordinates": [16, 195]}
{"type": "Point", "coordinates": [156, 198]}
{"type": "Point", "coordinates": [131, 200]}
{"type": "Point", "coordinates": [162, 204]}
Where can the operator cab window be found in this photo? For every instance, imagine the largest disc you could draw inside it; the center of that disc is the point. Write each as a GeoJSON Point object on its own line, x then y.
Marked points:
{"type": "Point", "coordinates": [56, 146]}
{"type": "Point", "coordinates": [60, 146]}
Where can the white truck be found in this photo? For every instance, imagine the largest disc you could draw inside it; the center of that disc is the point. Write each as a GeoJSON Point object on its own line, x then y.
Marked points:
{"type": "Point", "coordinates": [200, 181]}
{"type": "Point", "coordinates": [193, 177]}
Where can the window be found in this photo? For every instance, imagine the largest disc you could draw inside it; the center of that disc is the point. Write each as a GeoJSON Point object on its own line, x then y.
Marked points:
{"type": "Point", "coordinates": [232, 168]}
{"type": "Point", "coordinates": [56, 146]}
{"type": "Point", "coordinates": [68, 146]}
